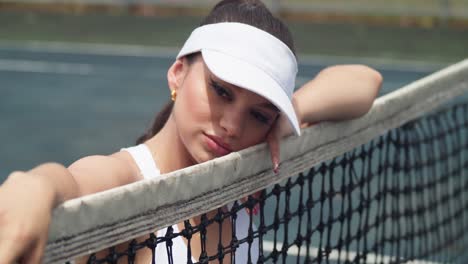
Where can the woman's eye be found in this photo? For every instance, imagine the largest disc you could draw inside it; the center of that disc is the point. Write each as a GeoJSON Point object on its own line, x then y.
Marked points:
{"type": "Point", "coordinates": [221, 91]}
{"type": "Point", "coordinates": [260, 117]}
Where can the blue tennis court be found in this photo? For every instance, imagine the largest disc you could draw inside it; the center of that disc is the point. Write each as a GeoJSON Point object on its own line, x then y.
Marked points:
{"type": "Point", "coordinates": [59, 102]}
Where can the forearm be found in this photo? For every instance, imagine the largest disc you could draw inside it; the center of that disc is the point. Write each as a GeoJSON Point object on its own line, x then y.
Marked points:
{"type": "Point", "coordinates": [55, 181]}
{"type": "Point", "coordinates": [337, 93]}
{"type": "Point", "coordinates": [27, 201]}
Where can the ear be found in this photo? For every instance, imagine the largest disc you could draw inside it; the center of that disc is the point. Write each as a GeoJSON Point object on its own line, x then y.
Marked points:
{"type": "Point", "coordinates": [176, 74]}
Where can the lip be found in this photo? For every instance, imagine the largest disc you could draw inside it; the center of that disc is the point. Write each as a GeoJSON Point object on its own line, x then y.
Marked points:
{"type": "Point", "coordinates": [217, 145]}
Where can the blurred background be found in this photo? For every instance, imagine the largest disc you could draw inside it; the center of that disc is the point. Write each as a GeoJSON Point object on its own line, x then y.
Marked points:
{"type": "Point", "coordinates": [86, 77]}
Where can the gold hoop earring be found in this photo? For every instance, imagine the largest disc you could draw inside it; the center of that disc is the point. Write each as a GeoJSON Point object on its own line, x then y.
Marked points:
{"type": "Point", "coordinates": [173, 95]}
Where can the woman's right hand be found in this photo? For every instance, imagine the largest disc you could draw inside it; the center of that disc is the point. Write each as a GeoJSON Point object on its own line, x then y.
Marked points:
{"type": "Point", "coordinates": [26, 204]}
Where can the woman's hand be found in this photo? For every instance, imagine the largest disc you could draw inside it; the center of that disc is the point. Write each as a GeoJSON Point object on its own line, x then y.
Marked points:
{"type": "Point", "coordinates": [280, 129]}
{"type": "Point", "coordinates": [28, 198]}
{"type": "Point", "coordinates": [26, 203]}
{"type": "Point", "coordinates": [337, 93]}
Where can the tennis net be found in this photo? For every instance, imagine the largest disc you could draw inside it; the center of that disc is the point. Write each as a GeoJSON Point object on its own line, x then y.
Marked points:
{"type": "Point", "coordinates": [390, 187]}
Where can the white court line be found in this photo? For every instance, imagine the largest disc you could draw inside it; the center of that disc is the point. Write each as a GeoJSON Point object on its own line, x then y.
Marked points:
{"type": "Point", "coordinates": [45, 67]}
{"type": "Point", "coordinates": [92, 49]}
{"type": "Point", "coordinates": [335, 255]}
{"type": "Point", "coordinates": [169, 52]}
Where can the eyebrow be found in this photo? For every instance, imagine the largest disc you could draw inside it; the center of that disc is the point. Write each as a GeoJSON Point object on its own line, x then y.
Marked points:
{"type": "Point", "coordinates": [215, 82]}
{"type": "Point", "coordinates": [266, 104]}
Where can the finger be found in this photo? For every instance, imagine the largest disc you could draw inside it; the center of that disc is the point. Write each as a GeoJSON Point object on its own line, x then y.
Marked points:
{"type": "Point", "coordinates": [256, 207]}
{"type": "Point", "coordinates": [273, 143]}
{"type": "Point", "coordinates": [34, 256]}
{"type": "Point", "coordinates": [35, 253]}
{"type": "Point", "coordinates": [244, 199]}
{"type": "Point", "coordinates": [10, 252]}
{"type": "Point", "coordinates": [257, 195]}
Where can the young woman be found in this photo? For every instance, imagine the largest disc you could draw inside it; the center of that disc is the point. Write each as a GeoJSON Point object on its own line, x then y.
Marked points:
{"type": "Point", "coordinates": [231, 87]}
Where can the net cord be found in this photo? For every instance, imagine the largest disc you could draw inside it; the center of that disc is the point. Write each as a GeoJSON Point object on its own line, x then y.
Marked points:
{"type": "Point", "coordinates": [88, 224]}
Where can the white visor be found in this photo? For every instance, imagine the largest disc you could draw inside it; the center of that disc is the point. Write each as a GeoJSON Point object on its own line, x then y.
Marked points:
{"type": "Point", "coordinates": [250, 58]}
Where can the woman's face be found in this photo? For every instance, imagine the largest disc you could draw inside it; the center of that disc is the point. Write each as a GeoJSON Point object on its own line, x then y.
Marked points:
{"type": "Point", "coordinates": [214, 118]}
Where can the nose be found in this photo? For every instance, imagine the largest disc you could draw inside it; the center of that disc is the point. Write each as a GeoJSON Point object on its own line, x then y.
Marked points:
{"type": "Point", "coordinates": [232, 121]}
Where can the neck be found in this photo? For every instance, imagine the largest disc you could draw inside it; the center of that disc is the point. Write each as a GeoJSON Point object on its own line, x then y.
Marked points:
{"type": "Point", "coordinates": [168, 150]}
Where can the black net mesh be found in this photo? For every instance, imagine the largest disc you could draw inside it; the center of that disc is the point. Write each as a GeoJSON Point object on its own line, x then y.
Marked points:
{"type": "Point", "coordinates": [400, 197]}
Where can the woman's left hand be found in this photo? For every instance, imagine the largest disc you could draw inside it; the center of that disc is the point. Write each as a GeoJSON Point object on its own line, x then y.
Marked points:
{"type": "Point", "coordinates": [280, 129]}
{"type": "Point", "coordinates": [273, 140]}
{"type": "Point", "coordinates": [337, 93]}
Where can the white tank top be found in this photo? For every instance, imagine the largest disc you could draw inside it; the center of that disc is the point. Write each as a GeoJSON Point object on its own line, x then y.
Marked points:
{"type": "Point", "coordinates": [148, 169]}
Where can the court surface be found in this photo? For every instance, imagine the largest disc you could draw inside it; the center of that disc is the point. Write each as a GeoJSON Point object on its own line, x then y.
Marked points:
{"type": "Point", "coordinates": [61, 102]}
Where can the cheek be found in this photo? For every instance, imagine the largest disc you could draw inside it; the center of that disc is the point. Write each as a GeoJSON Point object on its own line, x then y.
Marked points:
{"type": "Point", "coordinates": [194, 100]}
{"type": "Point", "coordinates": [192, 111]}
{"type": "Point", "coordinates": [254, 134]}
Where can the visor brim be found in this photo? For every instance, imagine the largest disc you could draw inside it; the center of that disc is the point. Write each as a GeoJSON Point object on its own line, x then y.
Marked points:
{"type": "Point", "coordinates": [249, 77]}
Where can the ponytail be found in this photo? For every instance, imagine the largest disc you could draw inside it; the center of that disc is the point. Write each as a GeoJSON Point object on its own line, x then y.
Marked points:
{"type": "Point", "coordinates": [158, 123]}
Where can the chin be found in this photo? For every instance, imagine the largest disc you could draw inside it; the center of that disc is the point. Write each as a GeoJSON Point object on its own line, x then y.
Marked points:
{"type": "Point", "coordinates": [204, 158]}
{"type": "Point", "coordinates": [200, 156]}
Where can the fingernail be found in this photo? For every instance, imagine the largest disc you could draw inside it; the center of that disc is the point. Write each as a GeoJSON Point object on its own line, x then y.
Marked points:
{"type": "Point", "coordinates": [256, 209]}
{"type": "Point", "coordinates": [276, 161]}
{"type": "Point", "coordinates": [276, 168]}
{"type": "Point", "coordinates": [257, 195]}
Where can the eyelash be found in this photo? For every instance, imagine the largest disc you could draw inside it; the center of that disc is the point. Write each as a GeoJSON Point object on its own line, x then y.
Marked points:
{"type": "Point", "coordinates": [260, 117]}
{"type": "Point", "coordinates": [221, 92]}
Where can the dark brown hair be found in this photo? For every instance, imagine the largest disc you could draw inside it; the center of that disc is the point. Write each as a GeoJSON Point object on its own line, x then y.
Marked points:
{"type": "Point", "coordinates": [251, 12]}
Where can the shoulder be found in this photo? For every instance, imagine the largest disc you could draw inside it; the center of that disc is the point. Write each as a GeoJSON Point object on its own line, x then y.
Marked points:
{"type": "Point", "coordinates": [98, 172]}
